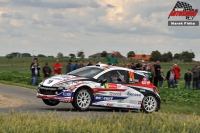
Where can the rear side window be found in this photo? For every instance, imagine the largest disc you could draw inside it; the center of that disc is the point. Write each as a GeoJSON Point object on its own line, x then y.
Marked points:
{"type": "Point", "coordinates": [137, 77]}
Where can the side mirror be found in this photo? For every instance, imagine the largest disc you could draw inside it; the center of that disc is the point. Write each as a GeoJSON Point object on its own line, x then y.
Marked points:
{"type": "Point", "coordinates": [103, 82]}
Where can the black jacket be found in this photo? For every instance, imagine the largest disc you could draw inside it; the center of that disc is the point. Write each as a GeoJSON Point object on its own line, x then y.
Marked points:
{"type": "Point", "coordinates": [68, 68]}
{"type": "Point", "coordinates": [188, 77]}
{"type": "Point", "coordinates": [138, 66]}
{"type": "Point", "coordinates": [157, 72]}
{"type": "Point", "coordinates": [168, 75]}
{"type": "Point", "coordinates": [45, 70]}
{"type": "Point", "coordinates": [32, 67]}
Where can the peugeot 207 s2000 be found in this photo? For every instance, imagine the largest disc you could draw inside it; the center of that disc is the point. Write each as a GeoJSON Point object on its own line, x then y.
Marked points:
{"type": "Point", "coordinates": [101, 85]}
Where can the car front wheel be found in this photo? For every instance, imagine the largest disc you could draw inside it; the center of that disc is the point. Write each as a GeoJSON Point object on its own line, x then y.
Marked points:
{"type": "Point", "coordinates": [82, 99]}
{"type": "Point", "coordinates": [149, 103]}
{"type": "Point", "coordinates": [50, 102]}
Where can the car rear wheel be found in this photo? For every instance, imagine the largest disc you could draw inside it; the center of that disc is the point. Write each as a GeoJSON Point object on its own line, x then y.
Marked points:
{"type": "Point", "coordinates": [82, 99]}
{"type": "Point", "coordinates": [149, 103]}
{"type": "Point", "coordinates": [50, 102]}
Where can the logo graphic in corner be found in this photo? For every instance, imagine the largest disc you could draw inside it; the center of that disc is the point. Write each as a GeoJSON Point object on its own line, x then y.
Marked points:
{"type": "Point", "coordinates": [183, 9]}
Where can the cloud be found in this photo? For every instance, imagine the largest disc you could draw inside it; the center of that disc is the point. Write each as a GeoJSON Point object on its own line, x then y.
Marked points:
{"type": "Point", "coordinates": [18, 15]}
{"type": "Point", "coordinates": [94, 4]}
{"type": "Point", "coordinates": [46, 4]}
{"type": "Point", "coordinates": [6, 15]}
{"type": "Point", "coordinates": [110, 6]}
{"type": "Point", "coordinates": [24, 42]}
{"type": "Point", "coordinates": [57, 16]}
{"type": "Point", "coordinates": [15, 23]}
{"type": "Point", "coordinates": [68, 35]}
{"type": "Point", "coordinates": [35, 17]}
{"type": "Point", "coordinates": [74, 25]}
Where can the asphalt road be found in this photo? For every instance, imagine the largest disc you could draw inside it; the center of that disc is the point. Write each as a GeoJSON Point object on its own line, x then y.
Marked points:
{"type": "Point", "coordinates": [34, 104]}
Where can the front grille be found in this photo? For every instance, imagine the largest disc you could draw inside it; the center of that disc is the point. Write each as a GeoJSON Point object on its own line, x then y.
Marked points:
{"type": "Point", "coordinates": [48, 88]}
{"type": "Point", "coordinates": [50, 92]}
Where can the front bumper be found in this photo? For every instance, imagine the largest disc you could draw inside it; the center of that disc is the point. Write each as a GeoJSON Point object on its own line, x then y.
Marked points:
{"type": "Point", "coordinates": [55, 94]}
{"type": "Point", "coordinates": [55, 97]}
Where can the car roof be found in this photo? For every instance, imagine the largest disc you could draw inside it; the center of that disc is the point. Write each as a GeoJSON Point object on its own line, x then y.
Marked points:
{"type": "Point", "coordinates": [110, 67]}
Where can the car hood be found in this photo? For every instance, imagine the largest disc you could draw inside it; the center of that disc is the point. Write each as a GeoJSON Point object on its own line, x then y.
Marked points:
{"type": "Point", "coordinates": [58, 79]}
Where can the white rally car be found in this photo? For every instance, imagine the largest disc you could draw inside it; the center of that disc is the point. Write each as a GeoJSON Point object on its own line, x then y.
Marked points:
{"type": "Point", "coordinates": [101, 85]}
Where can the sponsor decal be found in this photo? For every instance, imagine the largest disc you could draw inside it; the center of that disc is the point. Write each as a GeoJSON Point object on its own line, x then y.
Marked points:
{"type": "Point", "coordinates": [106, 85]}
{"type": "Point", "coordinates": [119, 85]}
{"type": "Point", "coordinates": [120, 101]}
{"type": "Point", "coordinates": [109, 104]}
{"type": "Point", "coordinates": [60, 98]}
{"type": "Point", "coordinates": [142, 90]}
{"type": "Point", "coordinates": [103, 98]}
{"type": "Point", "coordinates": [128, 106]}
{"type": "Point", "coordinates": [67, 94]}
{"type": "Point", "coordinates": [133, 94]}
{"type": "Point", "coordinates": [139, 102]}
{"type": "Point", "coordinates": [146, 82]}
{"type": "Point", "coordinates": [115, 93]}
{"type": "Point", "coordinates": [133, 101]}
{"type": "Point", "coordinates": [112, 86]}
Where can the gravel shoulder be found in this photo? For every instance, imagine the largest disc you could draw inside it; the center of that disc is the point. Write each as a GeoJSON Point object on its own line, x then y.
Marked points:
{"type": "Point", "coordinates": [7, 102]}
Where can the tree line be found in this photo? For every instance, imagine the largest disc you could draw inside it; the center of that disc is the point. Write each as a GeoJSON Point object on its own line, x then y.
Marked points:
{"type": "Point", "coordinates": [184, 56]}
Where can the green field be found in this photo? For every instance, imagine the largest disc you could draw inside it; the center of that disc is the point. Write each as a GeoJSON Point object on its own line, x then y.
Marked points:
{"type": "Point", "coordinates": [22, 64]}
{"type": "Point", "coordinates": [17, 72]}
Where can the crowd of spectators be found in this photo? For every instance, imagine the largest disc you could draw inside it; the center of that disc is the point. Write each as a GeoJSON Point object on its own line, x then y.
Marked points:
{"type": "Point", "coordinates": [157, 76]}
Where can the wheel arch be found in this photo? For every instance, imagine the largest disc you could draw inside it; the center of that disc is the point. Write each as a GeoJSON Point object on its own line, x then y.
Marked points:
{"type": "Point", "coordinates": [85, 87]}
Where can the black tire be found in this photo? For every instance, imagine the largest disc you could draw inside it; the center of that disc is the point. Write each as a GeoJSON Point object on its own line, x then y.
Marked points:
{"type": "Point", "coordinates": [50, 102]}
{"type": "Point", "coordinates": [73, 105]}
{"type": "Point", "coordinates": [81, 102]}
{"type": "Point", "coordinates": [149, 103]}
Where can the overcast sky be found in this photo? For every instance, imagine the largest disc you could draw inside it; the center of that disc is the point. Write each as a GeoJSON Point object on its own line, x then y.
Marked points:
{"type": "Point", "coordinates": [51, 26]}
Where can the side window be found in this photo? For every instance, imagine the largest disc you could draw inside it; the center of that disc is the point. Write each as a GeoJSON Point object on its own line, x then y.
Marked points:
{"type": "Point", "coordinates": [134, 77]}
{"type": "Point", "coordinates": [137, 78]}
{"type": "Point", "coordinates": [119, 76]}
{"type": "Point", "coordinates": [105, 76]}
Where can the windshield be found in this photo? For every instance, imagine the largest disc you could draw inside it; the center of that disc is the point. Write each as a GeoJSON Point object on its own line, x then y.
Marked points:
{"type": "Point", "coordinates": [88, 72]}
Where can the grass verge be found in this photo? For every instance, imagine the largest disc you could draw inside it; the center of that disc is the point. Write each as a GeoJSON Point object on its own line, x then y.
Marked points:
{"type": "Point", "coordinates": [17, 84]}
{"type": "Point", "coordinates": [179, 109]}
{"type": "Point", "coordinates": [128, 123]}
